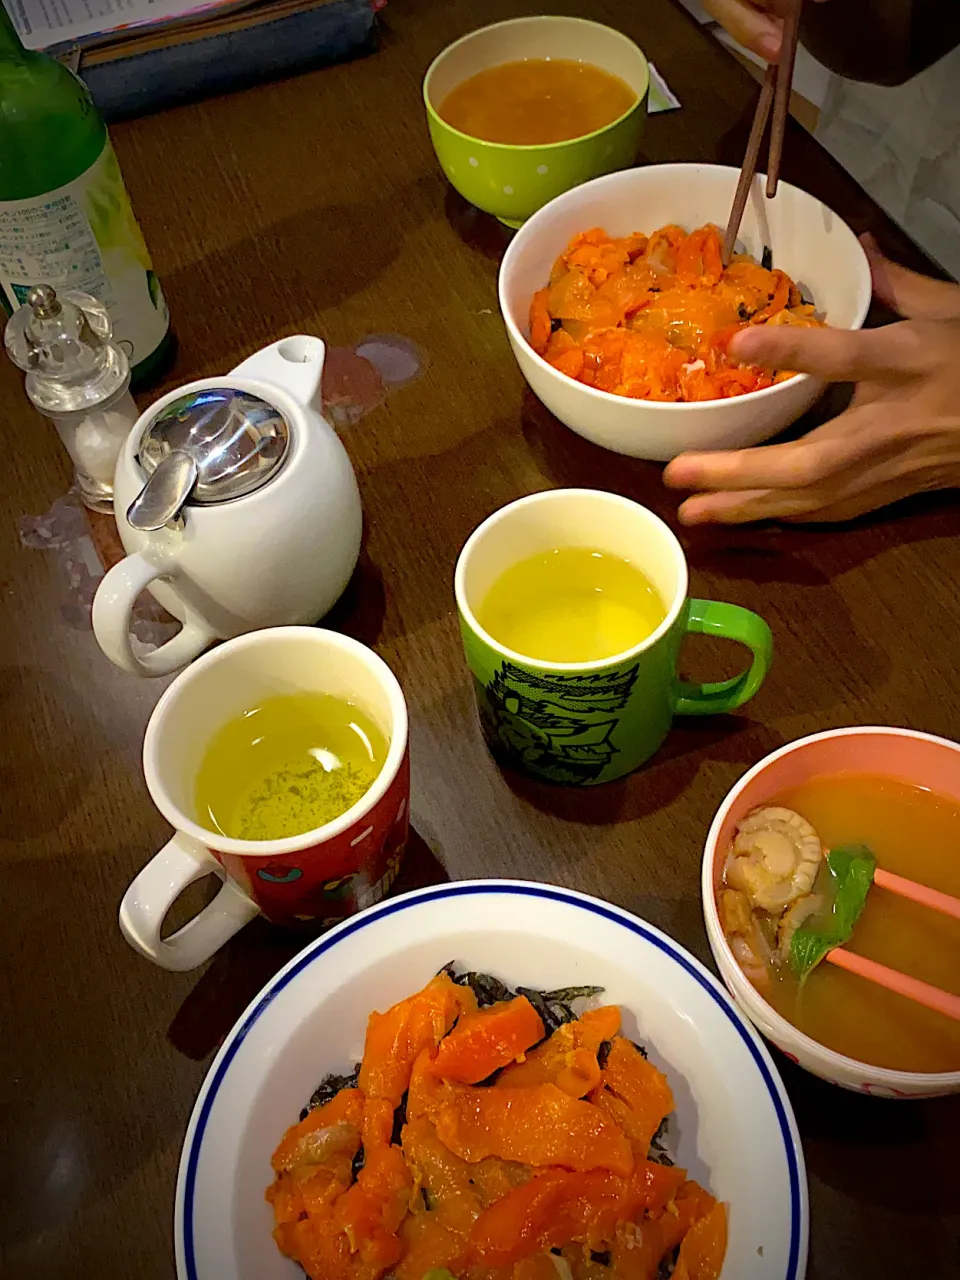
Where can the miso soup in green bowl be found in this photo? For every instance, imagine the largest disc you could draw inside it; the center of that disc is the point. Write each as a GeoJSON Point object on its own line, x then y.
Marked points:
{"type": "Point", "coordinates": [521, 111]}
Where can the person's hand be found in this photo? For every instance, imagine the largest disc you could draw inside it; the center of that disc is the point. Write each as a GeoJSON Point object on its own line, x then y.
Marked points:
{"type": "Point", "coordinates": [755, 24]}
{"type": "Point", "coordinates": [900, 435]}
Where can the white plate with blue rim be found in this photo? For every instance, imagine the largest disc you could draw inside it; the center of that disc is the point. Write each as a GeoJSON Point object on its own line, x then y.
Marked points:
{"type": "Point", "coordinates": [733, 1128]}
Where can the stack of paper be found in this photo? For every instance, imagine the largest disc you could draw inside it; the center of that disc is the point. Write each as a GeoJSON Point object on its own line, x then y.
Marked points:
{"type": "Point", "coordinates": [45, 24]}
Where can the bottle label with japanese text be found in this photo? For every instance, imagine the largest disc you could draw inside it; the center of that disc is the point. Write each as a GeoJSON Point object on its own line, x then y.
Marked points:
{"type": "Point", "coordinates": [84, 236]}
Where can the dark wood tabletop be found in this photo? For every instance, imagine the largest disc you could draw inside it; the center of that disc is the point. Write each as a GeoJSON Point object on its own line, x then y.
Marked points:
{"type": "Point", "coordinates": [316, 205]}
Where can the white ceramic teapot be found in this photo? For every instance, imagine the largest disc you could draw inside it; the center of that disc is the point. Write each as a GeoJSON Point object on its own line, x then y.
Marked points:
{"type": "Point", "coordinates": [237, 506]}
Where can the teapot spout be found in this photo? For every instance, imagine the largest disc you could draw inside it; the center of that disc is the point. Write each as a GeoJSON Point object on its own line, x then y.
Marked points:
{"type": "Point", "coordinates": [295, 364]}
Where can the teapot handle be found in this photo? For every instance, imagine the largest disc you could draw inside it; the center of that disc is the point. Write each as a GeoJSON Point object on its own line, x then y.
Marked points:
{"type": "Point", "coordinates": [112, 609]}
{"type": "Point", "coordinates": [294, 364]}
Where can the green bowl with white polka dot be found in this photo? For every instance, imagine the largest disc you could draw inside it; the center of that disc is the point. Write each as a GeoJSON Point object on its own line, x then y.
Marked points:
{"type": "Point", "coordinates": [513, 182]}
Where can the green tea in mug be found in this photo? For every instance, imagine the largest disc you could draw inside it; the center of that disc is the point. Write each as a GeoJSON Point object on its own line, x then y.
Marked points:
{"type": "Point", "coordinates": [571, 604]}
{"type": "Point", "coordinates": [292, 763]}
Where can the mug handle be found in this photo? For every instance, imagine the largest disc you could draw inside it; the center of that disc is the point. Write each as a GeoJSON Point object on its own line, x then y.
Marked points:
{"type": "Point", "coordinates": [113, 607]}
{"type": "Point", "coordinates": [179, 863]}
{"type": "Point", "coordinates": [710, 617]}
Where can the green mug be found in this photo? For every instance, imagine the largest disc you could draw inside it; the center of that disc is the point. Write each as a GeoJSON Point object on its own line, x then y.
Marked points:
{"type": "Point", "coordinates": [583, 723]}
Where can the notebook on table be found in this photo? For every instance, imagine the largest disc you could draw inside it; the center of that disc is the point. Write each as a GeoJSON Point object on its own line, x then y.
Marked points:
{"type": "Point", "coordinates": [140, 55]}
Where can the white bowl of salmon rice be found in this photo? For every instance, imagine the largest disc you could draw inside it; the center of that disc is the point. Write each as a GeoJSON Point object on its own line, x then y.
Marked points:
{"type": "Point", "coordinates": [623, 337]}
{"type": "Point", "coordinates": [375, 1115]}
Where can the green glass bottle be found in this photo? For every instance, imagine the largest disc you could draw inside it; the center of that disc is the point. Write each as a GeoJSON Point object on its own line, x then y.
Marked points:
{"type": "Point", "coordinates": [65, 217]}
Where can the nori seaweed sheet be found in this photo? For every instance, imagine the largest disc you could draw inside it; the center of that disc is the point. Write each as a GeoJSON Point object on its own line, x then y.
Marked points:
{"type": "Point", "coordinates": [328, 1088]}
{"type": "Point", "coordinates": [554, 1007]}
{"type": "Point", "coordinates": [658, 1153]}
{"type": "Point", "coordinates": [487, 989]}
{"type": "Point", "coordinates": [667, 1264]}
{"type": "Point", "coordinates": [399, 1119]}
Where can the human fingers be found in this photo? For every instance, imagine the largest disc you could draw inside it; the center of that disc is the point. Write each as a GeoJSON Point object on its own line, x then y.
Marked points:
{"type": "Point", "coordinates": [836, 355]}
{"type": "Point", "coordinates": [873, 489]}
{"type": "Point", "coordinates": [744, 506]}
{"type": "Point", "coordinates": [859, 502]}
{"type": "Point", "coordinates": [889, 458]}
{"type": "Point", "coordinates": [797, 464]}
{"type": "Point", "coordinates": [757, 26]}
{"type": "Point", "coordinates": [797, 506]}
{"type": "Point", "coordinates": [847, 492]}
{"type": "Point", "coordinates": [908, 292]}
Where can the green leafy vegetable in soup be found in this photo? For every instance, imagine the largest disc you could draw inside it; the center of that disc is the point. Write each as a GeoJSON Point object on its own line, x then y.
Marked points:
{"type": "Point", "coordinates": [843, 885]}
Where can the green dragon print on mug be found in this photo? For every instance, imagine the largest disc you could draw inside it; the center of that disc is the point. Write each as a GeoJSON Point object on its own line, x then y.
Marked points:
{"type": "Point", "coordinates": [573, 606]}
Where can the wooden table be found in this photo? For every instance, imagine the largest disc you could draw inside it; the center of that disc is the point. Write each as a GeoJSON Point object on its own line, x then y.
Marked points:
{"type": "Point", "coordinates": [315, 205]}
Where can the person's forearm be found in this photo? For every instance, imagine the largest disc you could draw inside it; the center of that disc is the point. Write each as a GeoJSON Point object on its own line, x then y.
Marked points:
{"type": "Point", "coordinates": [881, 41]}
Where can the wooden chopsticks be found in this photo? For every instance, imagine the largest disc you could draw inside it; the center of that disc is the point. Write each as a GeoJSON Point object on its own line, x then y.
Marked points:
{"type": "Point", "coordinates": [775, 93]}
{"type": "Point", "coordinates": [761, 115]}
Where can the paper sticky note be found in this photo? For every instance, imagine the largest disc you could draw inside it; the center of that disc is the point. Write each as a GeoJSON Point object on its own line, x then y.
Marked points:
{"type": "Point", "coordinates": [661, 96]}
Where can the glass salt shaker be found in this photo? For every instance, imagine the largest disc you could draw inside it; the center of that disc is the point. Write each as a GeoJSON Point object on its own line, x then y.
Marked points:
{"type": "Point", "coordinates": [78, 379]}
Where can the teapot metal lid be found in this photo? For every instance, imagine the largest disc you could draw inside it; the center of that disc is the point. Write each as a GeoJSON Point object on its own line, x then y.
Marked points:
{"type": "Point", "coordinates": [207, 447]}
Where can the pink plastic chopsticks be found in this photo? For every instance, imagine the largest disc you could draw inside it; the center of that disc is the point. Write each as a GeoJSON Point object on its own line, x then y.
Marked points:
{"type": "Point", "coordinates": [921, 992]}
{"type": "Point", "coordinates": [893, 980]}
{"type": "Point", "coordinates": [932, 898]}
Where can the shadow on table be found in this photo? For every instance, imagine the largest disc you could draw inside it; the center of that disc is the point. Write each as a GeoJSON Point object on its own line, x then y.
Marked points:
{"type": "Point", "coordinates": [360, 611]}
{"type": "Point", "coordinates": [251, 959]}
{"type": "Point", "coordinates": [653, 786]}
{"type": "Point", "coordinates": [479, 231]}
{"type": "Point", "coordinates": [314, 260]}
{"type": "Point", "coordinates": [854, 1144]}
{"type": "Point", "coordinates": [771, 552]}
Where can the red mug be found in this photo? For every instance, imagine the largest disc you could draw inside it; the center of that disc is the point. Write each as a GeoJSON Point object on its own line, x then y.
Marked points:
{"type": "Point", "coordinates": [321, 876]}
